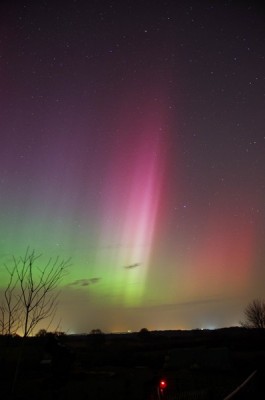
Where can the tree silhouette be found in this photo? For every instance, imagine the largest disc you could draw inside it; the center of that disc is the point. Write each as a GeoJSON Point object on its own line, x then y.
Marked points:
{"type": "Point", "coordinates": [255, 315]}
{"type": "Point", "coordinates": [30, 295]}
{"type": "Point", "coordinates": [10, 307]}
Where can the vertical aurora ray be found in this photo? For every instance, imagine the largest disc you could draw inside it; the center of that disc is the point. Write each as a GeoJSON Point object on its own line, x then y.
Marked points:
{"type": "Point", "coordinates": [130, 207]}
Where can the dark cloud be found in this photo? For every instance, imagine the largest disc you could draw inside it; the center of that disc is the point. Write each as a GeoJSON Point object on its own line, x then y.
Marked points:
{"type": "Point", "coordinates": [132, 266]}
{"type": "Point", "coordinates": [94, 280]}
{"type": "Point", "coordinates": [84, 282]}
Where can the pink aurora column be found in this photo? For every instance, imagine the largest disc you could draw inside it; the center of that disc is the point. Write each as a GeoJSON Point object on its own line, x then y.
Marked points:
{"type": "Point", "coordinates": [130, 206]}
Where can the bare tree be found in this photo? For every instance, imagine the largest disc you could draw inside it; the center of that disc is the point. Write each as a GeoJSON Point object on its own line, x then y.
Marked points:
{"type": "Point", "coordinates": [31, 295]}
{"type": "Point", "coordinates": [10, 307]}
{"type": "Point", "coordinates": [255, 315]}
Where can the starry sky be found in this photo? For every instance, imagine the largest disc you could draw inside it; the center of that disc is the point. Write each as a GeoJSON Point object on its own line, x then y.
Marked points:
{"type": "Point", "coordinates": [133, 141]}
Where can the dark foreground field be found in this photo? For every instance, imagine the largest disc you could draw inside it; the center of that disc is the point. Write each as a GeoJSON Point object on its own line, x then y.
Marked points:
{"type": "Point", "coordinates": [196, 365]}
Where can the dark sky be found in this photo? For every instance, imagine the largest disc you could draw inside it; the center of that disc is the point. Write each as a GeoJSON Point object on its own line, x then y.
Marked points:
{"type": "Point", "coordinates": [133, 140]}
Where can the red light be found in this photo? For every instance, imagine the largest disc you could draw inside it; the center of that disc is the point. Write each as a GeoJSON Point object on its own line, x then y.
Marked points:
{"type": "Point", "coordinates": [163, 384]}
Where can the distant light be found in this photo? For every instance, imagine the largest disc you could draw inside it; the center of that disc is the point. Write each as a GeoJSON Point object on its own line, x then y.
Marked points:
{"type": "Point", "coordinates": [129, 331]}
{"type": "Point", "coordinates": [210, 328]}
{"type": "Point", "coordinates": [162, 384]}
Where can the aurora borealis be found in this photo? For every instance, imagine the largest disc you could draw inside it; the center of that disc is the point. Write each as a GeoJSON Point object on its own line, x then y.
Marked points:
{"type": "Point", "coordinates": [133, 141]}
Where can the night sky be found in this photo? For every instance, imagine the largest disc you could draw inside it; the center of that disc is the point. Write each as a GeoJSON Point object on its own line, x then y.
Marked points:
{"type": "Point", "coordinates": [133, 140]}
